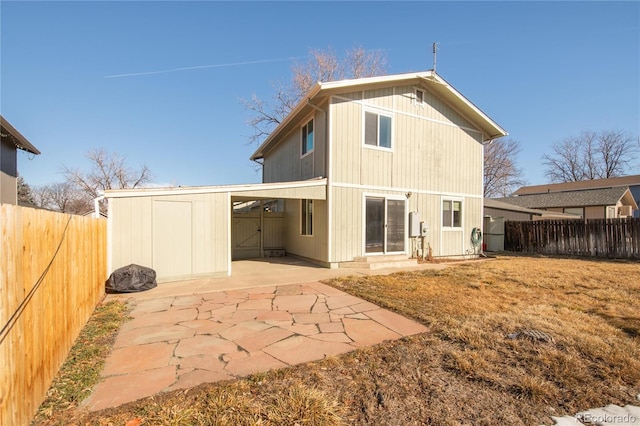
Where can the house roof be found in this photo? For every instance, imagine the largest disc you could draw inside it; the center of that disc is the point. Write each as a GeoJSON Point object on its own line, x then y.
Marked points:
{"type": "Point", "coordinates": [492, 203]}
{"type": "Point", "coordinates": [582, 198]}
{"type": "Point", "coordinates": [501, 205]}
{"type": "Point", "coordinates": [583, 184]}
{"type": "Point", "coordinates": [15, 137]}
{"type": "Point", "coordinates": [318, 93]}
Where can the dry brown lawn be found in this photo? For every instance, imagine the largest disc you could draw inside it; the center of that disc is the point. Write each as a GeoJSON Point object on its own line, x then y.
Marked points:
{"type": "Point", "coordinates": [476, 365]}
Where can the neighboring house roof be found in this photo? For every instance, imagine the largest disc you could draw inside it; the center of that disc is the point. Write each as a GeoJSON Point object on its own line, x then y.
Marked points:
{"type": "Point", "coordinates": [15, 137]}
{"type": "Point", "coordinates": [492, 203]}
{"type": "Point", "coordinates": [501, 205]}
{"type": "Point", "coordinates": [583, 198]}
{"type": "Point", "coordinates": [583, 184]}
{"type": "Point", "coordinates": [319, 92]}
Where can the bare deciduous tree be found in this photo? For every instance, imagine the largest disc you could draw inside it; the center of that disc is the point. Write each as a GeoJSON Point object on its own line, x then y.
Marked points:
{"type": "Point", "coordinates": [591, 155]}
{"type": "Point", "coordinates": [62, 197]}
{"type": "Point", "coordinates": [108, 171]}
{"type": "Point", "coordinates": [501, 175]}
{"type": "Point", "coordinates": [321, 66]}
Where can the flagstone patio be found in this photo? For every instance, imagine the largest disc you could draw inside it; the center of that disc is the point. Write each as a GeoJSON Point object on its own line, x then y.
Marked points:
{"type": "Point", "coordinates": [178, 342]}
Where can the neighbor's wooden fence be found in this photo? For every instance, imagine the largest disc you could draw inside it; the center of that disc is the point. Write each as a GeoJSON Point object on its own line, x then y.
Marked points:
{"type": "Point", "coordinates": [614, 238]}
{"type": "Point", "coordinates": [52, 273]}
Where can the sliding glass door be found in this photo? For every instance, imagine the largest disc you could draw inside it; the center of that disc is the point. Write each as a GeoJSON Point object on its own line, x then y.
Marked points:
{"type": "Point", "coordinates": [384, 225]}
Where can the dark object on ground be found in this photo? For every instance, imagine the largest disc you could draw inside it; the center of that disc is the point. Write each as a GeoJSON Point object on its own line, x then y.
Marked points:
{"type": "Point", "coordinates": [131, 279]}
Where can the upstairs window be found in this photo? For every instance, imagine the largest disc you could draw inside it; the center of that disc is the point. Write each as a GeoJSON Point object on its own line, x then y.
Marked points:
{"type": "Point", "coordinates": [451, 213]}
{"type": "Point", "coordinates": [377, 130]}
{"type": "Point", "coordinates": [307, 138]}
{"type": "Point", "coordinates": [419, 99]}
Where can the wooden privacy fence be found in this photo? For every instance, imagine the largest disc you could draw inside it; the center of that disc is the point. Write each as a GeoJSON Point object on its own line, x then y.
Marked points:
{"type": "Point", "coordinates": [52, 273]}
{"type": "Point", "coordinates": [614, 238]}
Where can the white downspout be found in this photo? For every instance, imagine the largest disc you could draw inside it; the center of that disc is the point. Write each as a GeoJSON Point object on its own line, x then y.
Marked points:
{"type": "Point", "coordinates": [96, 206]}
{"type": "Point", "coordinates": [327, 173]}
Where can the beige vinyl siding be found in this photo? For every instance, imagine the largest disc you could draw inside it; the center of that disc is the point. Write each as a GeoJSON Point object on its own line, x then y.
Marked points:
{"type": "Point", "coordinates": [435, 157]}
{"type": "Point", "coordinates": [285, 164]}
{"type": "Point", "coordinates": [472, 218]}
{"type": "Point", "coordinates": [186, 236]}
{"type": "Point", "coordinates": [425, 155]}
{"type": "Point", "coordinates": [346, 149]}
{"type": "Point", "coordinates": [354, 96]}
{"type": "Point", "coordinates": [376, 167]}
{"type": "Point", "coordinates": [131, 231]}
{"type": "Point", "coordinates": [273, 230]}
{"type": "Point", "coordinates": [348, 220]}
{"type": "Point", "coordinates": [432, 157]}
{"type": "Point", "coordinates": [173, 238]}
{"type": "Point", "coordinates": [382, 98]}
{"type": "Point", "coordinates": [309, 246]}
{"type": "Point", "coordinates": [319, 150]}
{"type": "Point", "coordinates": [314, 192]}
{"type": "Point", "coordinates": [432, 108]}
{"type": "Point", "coordinates": [348, 217]}
{"type": "Point", "coordinates": [346, 232]}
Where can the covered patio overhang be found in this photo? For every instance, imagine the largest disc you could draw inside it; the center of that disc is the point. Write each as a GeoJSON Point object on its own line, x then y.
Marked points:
{"type": "Point", "coordinates": [313, 189]}
{"type": "Point", "coordinates": [194, 231]}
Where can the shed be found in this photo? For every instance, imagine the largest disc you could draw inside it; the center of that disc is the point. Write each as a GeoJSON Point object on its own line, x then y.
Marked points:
{"type": "Point", "coordinates": [190, 232]}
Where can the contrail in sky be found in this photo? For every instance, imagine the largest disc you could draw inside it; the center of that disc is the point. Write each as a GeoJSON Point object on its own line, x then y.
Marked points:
{"type": "Point", "coordinates": [232, 64]}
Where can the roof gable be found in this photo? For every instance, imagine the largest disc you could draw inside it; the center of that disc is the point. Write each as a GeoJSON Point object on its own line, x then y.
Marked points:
{"type": "Point", "coordinates": [442, 89]}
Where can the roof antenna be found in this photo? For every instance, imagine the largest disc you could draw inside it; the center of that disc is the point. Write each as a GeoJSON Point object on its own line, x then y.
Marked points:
{"type": "Point", "coordinates": [435, 50]}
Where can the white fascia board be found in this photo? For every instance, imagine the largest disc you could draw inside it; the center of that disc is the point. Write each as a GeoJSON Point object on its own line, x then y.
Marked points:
{"type": "Point", "coordinates": [149, 192]}
{"type": "Point", "coordinates": [333, 86]}
{"type": "Point", "coordinates": [496, 132]}
{"type": "Point", "coordinates": [393, 78]}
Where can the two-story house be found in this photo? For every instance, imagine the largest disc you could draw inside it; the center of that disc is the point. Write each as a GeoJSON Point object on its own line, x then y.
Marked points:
{"type": "Point", "coordinates": [365, 167]}
{"type": "Point", "coordinates": [387, 146]}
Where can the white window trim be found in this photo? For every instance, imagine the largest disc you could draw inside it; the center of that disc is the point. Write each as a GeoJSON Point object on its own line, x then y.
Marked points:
{"type": "Point", "coordinates": [386, 197]}
{"type": "Point", "coordinates": [385, 113]}
{"type": "Point", "coordinates": [416, 102]}
{"type": "Point", "coordinates": [306, 122]}
{"type": "Point", "coordinates": [452, 228]}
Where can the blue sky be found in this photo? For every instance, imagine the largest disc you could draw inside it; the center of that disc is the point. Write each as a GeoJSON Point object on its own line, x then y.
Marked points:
{"type": "Point", "coordinates": [543, 70]}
